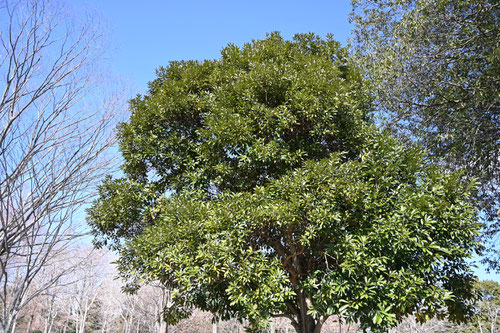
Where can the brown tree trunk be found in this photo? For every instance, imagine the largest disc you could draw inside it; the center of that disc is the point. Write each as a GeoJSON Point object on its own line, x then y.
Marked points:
{"type": "Point", "coordinates": [309, 325]}
{"type": "Point", "coordinates": [306, 323]}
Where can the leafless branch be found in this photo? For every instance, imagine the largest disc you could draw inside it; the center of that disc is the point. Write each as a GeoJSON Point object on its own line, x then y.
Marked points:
{"type": "Point", "coordinates": [54, 143]}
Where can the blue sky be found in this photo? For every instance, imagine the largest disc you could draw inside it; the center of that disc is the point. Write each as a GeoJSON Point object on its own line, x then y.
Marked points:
{"type": "Point", "coordinates": [144, 35]}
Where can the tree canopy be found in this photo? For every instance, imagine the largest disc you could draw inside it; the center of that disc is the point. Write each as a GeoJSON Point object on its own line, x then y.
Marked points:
{"type": "Point", "coordinates": [256, 186]}
{"type": "Point", "coordinates": [435, 69]}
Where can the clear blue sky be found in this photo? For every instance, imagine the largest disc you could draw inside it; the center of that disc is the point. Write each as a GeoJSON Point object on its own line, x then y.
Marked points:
{"type": "Point", "coordinates": [144, 35]}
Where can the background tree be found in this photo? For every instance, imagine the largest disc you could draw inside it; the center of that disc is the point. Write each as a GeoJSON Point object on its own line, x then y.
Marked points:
{"type": "Point", "coordinates": [486, 319]}
{"type": "Point", "coordinates": [110, 298]}
{"type": "Point", "coordinates": [435, 68]}
{"type": "Point", "coordinates": [256, 186]}
{"type": "Point", "coordinates": [86, 288]}
{"type": "Point", "coordinates": [65, 306]}
{"type": "Point", "coordinates": [52, 142]}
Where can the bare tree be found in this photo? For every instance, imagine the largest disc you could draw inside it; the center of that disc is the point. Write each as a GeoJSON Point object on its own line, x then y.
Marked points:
{"type": "Point", "coordinates": [90, 278]}
{"type": "Point", "coordinates": [86, 296]}
{"type": "Point", "coordinates": [51, 309]}
{"type": "Point", "coordinates": [110, 298]}
{"type": "Point", "coordinates": [142, 311]}
{"type": "Point", "coordinates": [53, 140]}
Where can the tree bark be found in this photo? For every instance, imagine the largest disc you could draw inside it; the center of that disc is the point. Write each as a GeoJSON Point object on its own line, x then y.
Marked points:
{"type": "Point", "coordinates": [163, 327]}
{"type": "Point", "coordinates": [29, 324]}
{"type": "Point", "coordinates": [305, 322]}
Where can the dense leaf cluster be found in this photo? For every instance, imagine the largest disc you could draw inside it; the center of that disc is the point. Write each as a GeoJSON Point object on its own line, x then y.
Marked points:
{"type": "Point", "coordinates": [435, 69]}
{"type": "Point", "coordinates": [256, 186]}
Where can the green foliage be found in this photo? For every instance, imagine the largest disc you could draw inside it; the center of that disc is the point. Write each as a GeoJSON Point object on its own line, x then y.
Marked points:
{"type": "Point", "coordinates": [486, 318]}
{"type": "Point", "coordinates": [488, 308]}
{"type": "Point", "coordinates": [435, 67]}
{"type": "Point", "coordinates": [234, 123]}
{"type": "Point", "coordinates": [256, 185]}
{"type": "Point", "coordinates": [489, 290]}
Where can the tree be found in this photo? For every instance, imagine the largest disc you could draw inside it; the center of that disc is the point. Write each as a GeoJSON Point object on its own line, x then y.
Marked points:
{"type": "Point", "coordinates": [435, 68]}
{"type": "Point", "coordinates": [110, 298]}
{"type": "Point", "coordinates": [52, 142]}
{"type": "Point", "coordinates": [486, 318]}
{"type": "Point", "coordinates": [256, 186]}
{"type": "Point", "coordinates": [142, 311]}
{"type": "Point", "coordinates": [87, 287]}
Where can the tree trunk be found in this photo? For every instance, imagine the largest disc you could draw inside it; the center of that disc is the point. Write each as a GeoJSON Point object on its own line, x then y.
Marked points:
{"type": "Point", "coordinates": [163, 327]}
{"type": "Point", "coordinates": [305, 322]}
{"type": "Point", "coordinates": [7, 327]}
{"type": "Point", "coordinates": [28, 330]}
{"type": "Point", "coordinates": [309, 325]}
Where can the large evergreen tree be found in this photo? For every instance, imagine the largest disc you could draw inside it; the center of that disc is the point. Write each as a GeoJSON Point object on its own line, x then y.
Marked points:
{"type": "Point", "coordinates": [435, 69]}
{"type": "Point", "coordinates": [256, 186]}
